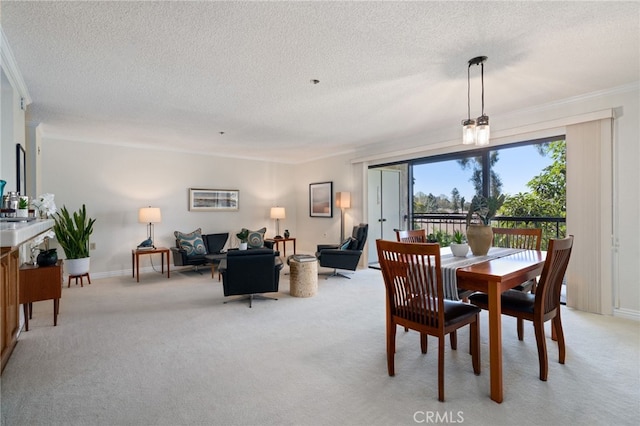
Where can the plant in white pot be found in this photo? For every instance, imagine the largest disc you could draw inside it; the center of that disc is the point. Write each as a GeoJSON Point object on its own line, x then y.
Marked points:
{"type": "Point", "coordinates": [481, 211]}
{"type": "Point", "coordinates": [458, 246]}
{"type": "Point", "coordinates": [243, 236]}
{"type": "Point", "coordinates": [72, 233]}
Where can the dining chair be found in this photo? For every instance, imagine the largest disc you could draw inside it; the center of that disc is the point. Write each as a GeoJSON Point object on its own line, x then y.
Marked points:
{"type": "Point", "coordinates": [412, 236]}
{"type": "Point", "coordinates": [420, 236]}
{"type": "Point", "coordinates": [542, 306]}
{"type": "Point", "coordinates": [522, 238]}
{"type": "Point", "coordinates": [415, 299]}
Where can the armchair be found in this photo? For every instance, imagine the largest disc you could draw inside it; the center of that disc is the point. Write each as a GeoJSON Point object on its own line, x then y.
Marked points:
{"type": "Point", "coordinates": [214, 243]}
{"type": "Point", "coordinates": [345, 255]}
{"type": "Point", "coordinates": [249, 272]}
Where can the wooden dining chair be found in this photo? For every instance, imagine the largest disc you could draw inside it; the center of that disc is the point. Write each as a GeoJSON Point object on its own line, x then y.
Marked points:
{"type": "Point", "coordinates": [522, 238]}
{"type": "Point", "coordinates": [415, 299]}
{"type": "Point", "coordinates": [412, 236]}
{"type": "Point", "coordinates": [542, 306]}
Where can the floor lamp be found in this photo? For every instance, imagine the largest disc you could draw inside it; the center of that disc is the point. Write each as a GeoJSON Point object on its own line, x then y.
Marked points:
{"type": "Point", "coordinates": [149, 215]}
{"type": "Point", "coordinates": [278, 213]}
{"type": "Point", "coordinates": [343, 202]}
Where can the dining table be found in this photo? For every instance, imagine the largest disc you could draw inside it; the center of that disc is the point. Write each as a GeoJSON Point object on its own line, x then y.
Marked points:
{"type": "Point", "coordinates": [494, 276]}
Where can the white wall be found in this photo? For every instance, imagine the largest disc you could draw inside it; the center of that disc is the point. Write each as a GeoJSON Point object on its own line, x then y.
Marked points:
{"type": "Point", "coordinates": [115, 181]}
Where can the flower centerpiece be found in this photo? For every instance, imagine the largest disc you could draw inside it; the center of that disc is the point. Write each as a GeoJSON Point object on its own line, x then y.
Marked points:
{"type": "Point", "coordinates": [45, 205]}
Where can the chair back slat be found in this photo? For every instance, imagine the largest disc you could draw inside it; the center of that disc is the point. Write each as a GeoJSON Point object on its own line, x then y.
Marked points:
{"type": "Point", "coordinates": [522, 238]}
{"type": "Point", "coordinates": [553, 271]}
{"type": "Point", "coordinates": [412, 236]}
{"type": "Point", "coordinates": [413, 281]}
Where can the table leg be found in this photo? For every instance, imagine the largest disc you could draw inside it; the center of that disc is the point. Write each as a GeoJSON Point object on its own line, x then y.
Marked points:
{"type": "Point", "coordinates": [133, 265]}
{"type": "Point", "coordinates": [168, 266]}
{"type": "Point", "coordinates": [56, 306]}
{"type": "Point", "coordinates": [162, 263]}
{"type": "Point", "coordinates": [25, 307]}
{"type": "Point", "coordinates": [495, 341]}
{"type": "Point", "coordinates": [137, 267]}
{"type": "Point", "coordinates": [294, 246]}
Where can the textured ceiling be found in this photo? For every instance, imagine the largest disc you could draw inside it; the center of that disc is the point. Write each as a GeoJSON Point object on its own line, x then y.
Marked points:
{"type": "Point", "coordinates": [173, 75]}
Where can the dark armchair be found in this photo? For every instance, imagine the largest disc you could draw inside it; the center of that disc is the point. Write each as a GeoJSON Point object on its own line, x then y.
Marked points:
{"type": "Point", "coordinates": [250, 272]}
{"type": "Point", "coordinates": [214, 244]}
{"type": "Point", "coordinates": [345, 255]}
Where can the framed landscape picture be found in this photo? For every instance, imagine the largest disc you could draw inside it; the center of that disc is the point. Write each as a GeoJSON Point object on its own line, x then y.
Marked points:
{"type": "Point", "coordinates": [217, 200]}
{"type": "Point", "coordinates": [320, 199]}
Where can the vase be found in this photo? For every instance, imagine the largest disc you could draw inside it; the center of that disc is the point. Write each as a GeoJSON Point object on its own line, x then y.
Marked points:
{"type": "Point", "coordinates": [243, 246]}
{"type": "Point", "coordinates": [459, 250]}
{"type": "Point", "coordinates": [47, 257]}
{"type": "Point", "coordinates": [22, 213]}
{"type": "Point", "coordinates": [286, 233]}
{"type": "Point", "coordinates": [480, 238]}
{"type": "Point", "coordinates": [76, 267]}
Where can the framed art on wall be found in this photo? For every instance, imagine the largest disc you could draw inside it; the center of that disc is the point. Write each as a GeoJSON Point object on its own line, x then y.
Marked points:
{"type": "Point", "coordinates": [320, 199]}
{"type": "Point", "coordinates": [217, 200]}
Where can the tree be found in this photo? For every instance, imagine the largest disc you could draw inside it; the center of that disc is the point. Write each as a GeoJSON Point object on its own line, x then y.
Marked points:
{"type": "Point", "coordinates": [455, 200]}
{"type": "Point", "coordinates": [475, 163]}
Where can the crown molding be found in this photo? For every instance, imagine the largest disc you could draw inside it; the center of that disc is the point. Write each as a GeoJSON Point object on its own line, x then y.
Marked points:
{"type": "Point", "coordinates": [10, 67]}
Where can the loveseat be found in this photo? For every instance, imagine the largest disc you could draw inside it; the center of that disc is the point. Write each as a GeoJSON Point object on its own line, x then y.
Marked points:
{"type": "Point", "coordinates": [189, 251]}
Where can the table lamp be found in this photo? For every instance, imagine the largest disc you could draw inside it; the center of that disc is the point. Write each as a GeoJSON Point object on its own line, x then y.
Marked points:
{"type": "Point", "coordinates": [278, 213]}
{"type": "Point", "coordinates": [149, 215]}
{"type": "Point", "coordinates": [343, 202]}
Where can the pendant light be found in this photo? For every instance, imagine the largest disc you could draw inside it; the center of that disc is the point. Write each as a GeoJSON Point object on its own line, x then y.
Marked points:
{"type": "Point", "coordinates": [475, 131]}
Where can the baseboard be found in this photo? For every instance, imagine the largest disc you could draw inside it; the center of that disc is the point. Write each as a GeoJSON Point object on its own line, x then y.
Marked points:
{"type": "Point", "coordinates": [626, 313]}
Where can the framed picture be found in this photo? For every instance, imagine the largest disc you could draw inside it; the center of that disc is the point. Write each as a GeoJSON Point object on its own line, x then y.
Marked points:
{"type": "Point", "coordinates": [216, 200]}
{"type": "Point", "coordinates": [320, 199]}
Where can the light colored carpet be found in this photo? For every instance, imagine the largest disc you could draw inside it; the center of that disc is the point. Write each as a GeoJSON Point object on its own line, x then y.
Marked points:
{"type": "Point", "coordinates": [169, 352]}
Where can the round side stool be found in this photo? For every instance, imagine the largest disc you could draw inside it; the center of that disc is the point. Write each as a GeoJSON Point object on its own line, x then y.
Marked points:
{"type": "Point", "coordinates": [303, 278]}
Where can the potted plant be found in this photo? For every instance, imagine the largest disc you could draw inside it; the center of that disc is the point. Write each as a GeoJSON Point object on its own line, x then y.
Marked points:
{"type": "Point", "coordinates": [72, 233]}
{"type": "Point", "coordinates": [23, 207]}
{"type": "Point", "coordinates": [481, 211]}
{"type": "Point", "coordinates": [243, 237]}
{"type": "Point", "coordinates": [459, 247]}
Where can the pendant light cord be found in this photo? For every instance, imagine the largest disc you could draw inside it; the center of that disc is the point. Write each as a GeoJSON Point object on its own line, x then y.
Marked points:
{"type": "Point", "coordinates": [482, 80]}
{"type": "Point", "coordinates": [469, 92]}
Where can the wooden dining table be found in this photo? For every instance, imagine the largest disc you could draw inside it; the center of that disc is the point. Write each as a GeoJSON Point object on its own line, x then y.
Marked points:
{"type": "Point", "coordinates": [494, 277]}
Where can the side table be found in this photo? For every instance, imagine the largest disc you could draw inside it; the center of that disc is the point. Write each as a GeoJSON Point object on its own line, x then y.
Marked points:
{"type": "Point", "coordinates": [276, 242]}
{"type": "Point", "coordinates": [303, 277]}
{"type": "Point", "coordinates": [40, 283]}
{"type": "Point", "coordinates": [135, 260]}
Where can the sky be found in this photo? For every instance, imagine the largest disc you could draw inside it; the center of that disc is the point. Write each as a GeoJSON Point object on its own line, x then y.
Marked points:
{"type": "Point", "coordinates": [516, 166]}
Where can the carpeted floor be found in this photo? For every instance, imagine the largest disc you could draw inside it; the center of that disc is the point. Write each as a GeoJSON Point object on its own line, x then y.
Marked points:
{"type": "Point", "coordinates": [169, 352]}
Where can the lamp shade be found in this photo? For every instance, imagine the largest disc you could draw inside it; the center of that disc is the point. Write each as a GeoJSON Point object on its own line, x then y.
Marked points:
{"type": "Point", "coordinates": [278, 213]}
{"type": "Point", "coordinates": [149, 215]}
{"type": "Point", "coordinates": [343, 200]}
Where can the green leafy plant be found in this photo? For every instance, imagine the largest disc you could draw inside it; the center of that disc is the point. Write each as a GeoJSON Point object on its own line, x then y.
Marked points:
{"type": "Point", "coordinates": [458, 237]}
{"type": "Point", "coordinates": [243, 235]}
{"type": "Point", "coordinates": [23, 203]}
{"type": "Point", "coordinates": [484, 208]}
{"type": "Point", "coordinates": [72, 232]}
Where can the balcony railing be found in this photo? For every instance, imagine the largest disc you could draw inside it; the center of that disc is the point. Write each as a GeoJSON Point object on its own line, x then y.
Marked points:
{"type": "Point", "coordinates": [443, 225]}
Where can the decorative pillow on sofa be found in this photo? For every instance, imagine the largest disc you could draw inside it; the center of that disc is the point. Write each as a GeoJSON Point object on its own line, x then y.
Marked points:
{"type": "Point", "coordinates": [345, 244]}
{"type": "Point", "coordinates": [191, 243]}
{"type": "Point", "coordinates": [256, 238]}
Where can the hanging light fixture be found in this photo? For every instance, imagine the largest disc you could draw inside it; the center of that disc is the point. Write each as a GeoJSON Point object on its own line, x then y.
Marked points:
{"type": "Point", "coordinates": [475, 131]}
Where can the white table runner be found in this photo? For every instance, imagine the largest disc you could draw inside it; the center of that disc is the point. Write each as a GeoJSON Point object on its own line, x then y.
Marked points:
{"type": "Point", "coordinates": [450, 264]}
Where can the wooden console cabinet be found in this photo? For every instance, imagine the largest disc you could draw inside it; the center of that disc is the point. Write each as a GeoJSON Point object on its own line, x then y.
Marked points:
{"type": "Point", "coordinates": [9, 314]}
{"type": "Point", "coordinates": [40, 283]}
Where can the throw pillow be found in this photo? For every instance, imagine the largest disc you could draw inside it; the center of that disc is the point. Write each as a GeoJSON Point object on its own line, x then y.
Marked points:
{"type": "Point", "coordinates": [256, 238]}
{"type": "Point", "coordinates": [345, 244]}
{"type": "Point", "coordinates": [191, 243]}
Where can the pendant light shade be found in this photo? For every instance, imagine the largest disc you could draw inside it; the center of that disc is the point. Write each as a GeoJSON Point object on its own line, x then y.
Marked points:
{"type": "Point", "coordinates": [475, 131]}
